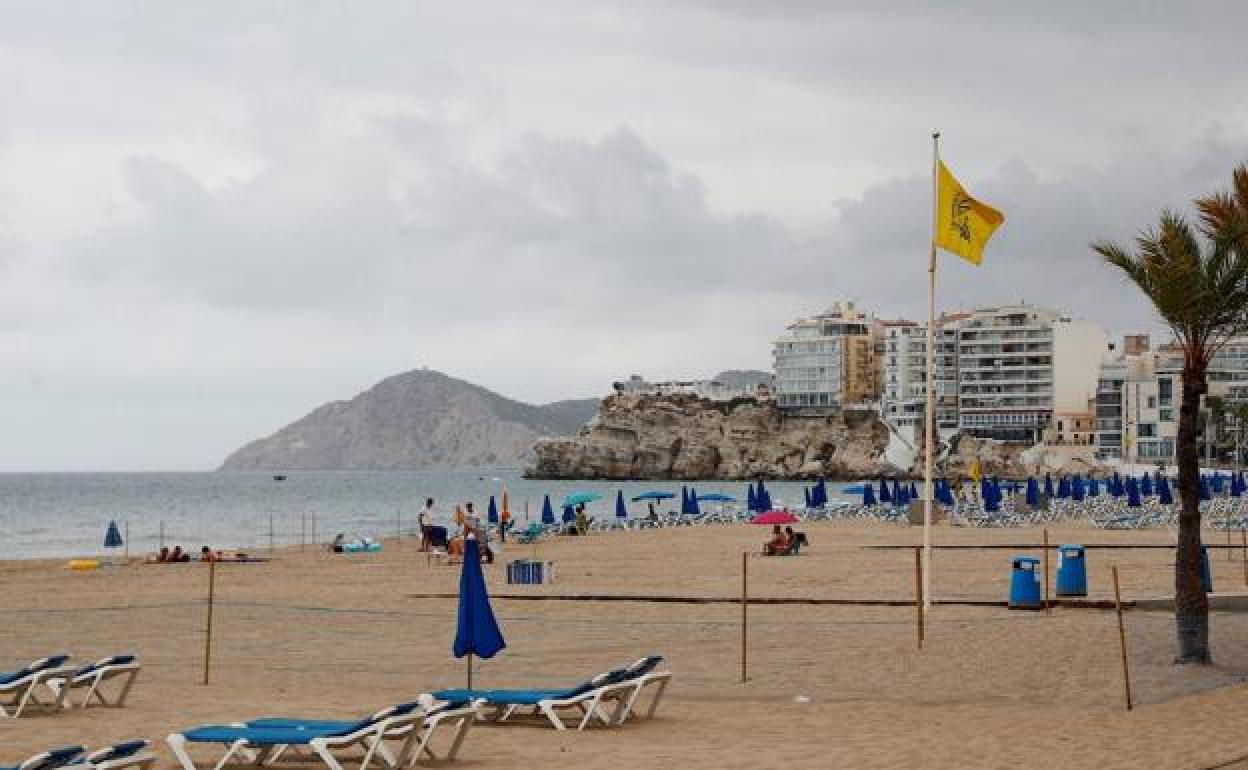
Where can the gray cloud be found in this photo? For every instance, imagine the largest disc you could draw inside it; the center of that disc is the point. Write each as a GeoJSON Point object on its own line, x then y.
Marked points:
{"type": "Point", "coordinates": [214, 218]}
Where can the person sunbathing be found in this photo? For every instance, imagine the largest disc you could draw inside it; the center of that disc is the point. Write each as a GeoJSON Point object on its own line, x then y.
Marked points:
{"type": "Point", "coordinates": [778, 544]}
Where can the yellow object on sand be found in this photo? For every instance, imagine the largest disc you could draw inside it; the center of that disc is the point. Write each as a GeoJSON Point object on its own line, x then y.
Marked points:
{"type": "Point", "coordinates": [81, 565]}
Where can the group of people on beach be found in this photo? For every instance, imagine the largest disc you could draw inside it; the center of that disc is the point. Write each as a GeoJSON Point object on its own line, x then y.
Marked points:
{"type": "Point", "coordinates": [175, 555]}
{"type": "Point", "coordinates": [469, 523]}
{"type": "Point", "coordinates": [783, 541]}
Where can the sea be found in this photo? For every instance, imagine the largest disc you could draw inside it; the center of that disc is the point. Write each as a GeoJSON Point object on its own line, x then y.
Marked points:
{"type": "Point", "coordinates": [51, 515]}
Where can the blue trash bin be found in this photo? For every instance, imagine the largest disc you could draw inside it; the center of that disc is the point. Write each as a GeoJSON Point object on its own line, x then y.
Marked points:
{"type": "Point", "coordinates": [1072, 571]}
{"type": "Point", "coordinates": [1025, 584]}
{"type": "Point", "coordinates": [1206, 576]}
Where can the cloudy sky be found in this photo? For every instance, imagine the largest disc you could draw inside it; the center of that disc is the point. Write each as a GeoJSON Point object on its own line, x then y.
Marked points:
{"type": "Point", "coordinates": [214, 217]}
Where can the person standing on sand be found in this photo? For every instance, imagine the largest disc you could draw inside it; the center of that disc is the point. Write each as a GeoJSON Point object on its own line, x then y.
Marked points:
{"type": "Point", "coordinates": [425, 521]}
{"type": "Point", "coordinates": [471, 522]}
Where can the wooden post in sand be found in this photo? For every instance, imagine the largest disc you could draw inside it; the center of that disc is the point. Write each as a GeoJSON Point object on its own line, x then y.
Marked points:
{"type": "Point", "coordinates": [212, 585]}
{"type": "Point", "coordinates": [126, 542]}
{"type": "Point", "coordinates": [918, 592]}
{"type": "Point", "coordinates": [1122, 641]}
{"type": "Point", "coordinates": [1046, 572]}
{"type": "Point", "coordinates": [745, 605]}
{"type": "Point", "coordinates": [1243, 556]}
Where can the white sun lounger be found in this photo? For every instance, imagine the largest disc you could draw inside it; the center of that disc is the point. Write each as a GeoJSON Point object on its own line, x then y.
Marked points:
{"type": "Point", "coordinates": [51, 760]}
{"type": "Point", "coordinates": [122, 756]}
{"type": "Point", "coordinates": [643, 675]}
{"type": "Point", "coordinates": [19, 690]}
{"type": "Point", "coordinates": [92, 678]}
{"type": "Point", "coordinates": [263, 741]}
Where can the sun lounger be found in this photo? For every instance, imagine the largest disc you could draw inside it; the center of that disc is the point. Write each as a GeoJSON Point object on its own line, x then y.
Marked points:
{"type": "Point", "coordinates": [19, 689]}
{"type": "Point", "coordinates": [50, 760]}
{"type": "Point", "coordinates": [132, 754]}
{"type": "Point", "coordinates": [590, 700]}
{"type": "Point", "coordinates": [262, 741]}
{"type": "Point", "coordinates": [92, 678]}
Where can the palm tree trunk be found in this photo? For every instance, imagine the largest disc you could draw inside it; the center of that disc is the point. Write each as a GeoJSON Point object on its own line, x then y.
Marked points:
{"type": "Point", "coordinates": [1191, 605]}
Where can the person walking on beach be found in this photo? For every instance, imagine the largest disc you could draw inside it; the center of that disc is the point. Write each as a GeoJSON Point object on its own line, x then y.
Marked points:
{"type": "Point", "coordinates": [472, 522]}
{"type": "Point", "coordinates": [425, 520]}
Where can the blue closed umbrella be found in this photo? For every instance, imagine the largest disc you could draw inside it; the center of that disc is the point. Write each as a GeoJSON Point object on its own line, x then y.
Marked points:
{"type": "Point", "coordinates": [764, 498]}
{"type": "Point", "coordinates": [621, 510]}
{"type": "Point", "coordinates": [914, 491]}
{"type": "Point", "coordinates": [476, 630]}
{"type": "Point", "coordinates": [885, 495]}
{"type": "Point", "coordinates": [1237, 488]}
{"type": "Point", "coordinates": [1094, 487]}
{"type": "Point", "coordinates": [492, 514]}
{"type": "Point", "coordinates": [1133, 493]}
{"type": "Point", "coordinates": [112, 538]}
{"type": "Point", "coordinates": [868, 495]}
{"type": "Point", "coordinates": [806, 497]}
{"type": "Point", "coordinates": [1146, 485]}
{"type": "Point", "coordinates": [751, 499]}
{"type": "Point", "coordinates": [548, 513]}
{"type": "Point", "coordinates": [1164, 495]}
{"type": "Point", "coordinates": [1033, 492]}
{"type": "Point", "coordinates": [1048, 485]}
{"type": "Point", "coordinates": [992, 501]}
{"type": "Point", "coordinates": [569, 515]}
{"type": "Point", "coordinates": [1217, 483]}
{"type": "Point", "coordinates": [1076, 488]}
{"type": "Point", "coordinates": [1204, 488]}
{"type": "Point", "coordinates": [694, 509]}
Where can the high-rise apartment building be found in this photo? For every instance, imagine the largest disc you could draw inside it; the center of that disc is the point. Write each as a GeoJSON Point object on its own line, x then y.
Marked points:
{"type": "Point", "coordinates": [827, 361]}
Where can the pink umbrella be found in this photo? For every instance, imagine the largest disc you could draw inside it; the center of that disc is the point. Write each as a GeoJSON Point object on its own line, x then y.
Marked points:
{"type": "Point", "coordinates": [774, 517]}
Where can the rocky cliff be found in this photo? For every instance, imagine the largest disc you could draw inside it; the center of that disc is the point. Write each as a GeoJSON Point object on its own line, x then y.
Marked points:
{"type": "Point", "coordinates": [420, 419]}
{"type": "Point", "coordinates": [686, 437]}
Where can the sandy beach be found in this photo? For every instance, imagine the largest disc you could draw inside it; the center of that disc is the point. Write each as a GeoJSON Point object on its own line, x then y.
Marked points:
{"type": "Point", "coordinates": [829, 685]}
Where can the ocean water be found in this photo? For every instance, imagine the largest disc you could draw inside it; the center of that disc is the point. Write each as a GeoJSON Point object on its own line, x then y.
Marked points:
{"type": "Point", "coordinates": [66, 514]}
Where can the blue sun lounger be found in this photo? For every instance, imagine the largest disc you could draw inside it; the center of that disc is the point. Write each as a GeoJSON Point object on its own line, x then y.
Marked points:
{"type": "Point", "coordinates": [122, 756]}
{"type": "Point", "coordinates": [93, 676]}
{"type": "Point", "coordinates": [590, 699]}
{"type": "Point", "coordinates": [20, 689]}
{"type": "Point", "coordinates": [263, 740]}
{"type": "Point", "coordinates": [51, 760]}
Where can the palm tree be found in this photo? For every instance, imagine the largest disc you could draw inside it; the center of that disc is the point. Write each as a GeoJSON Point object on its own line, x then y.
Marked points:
{"type": "Point", "coordinates": [1198, 284]}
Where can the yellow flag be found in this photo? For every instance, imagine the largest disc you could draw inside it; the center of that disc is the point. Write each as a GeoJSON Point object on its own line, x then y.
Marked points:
{"type": "Point", "coordinates": [963, 224]}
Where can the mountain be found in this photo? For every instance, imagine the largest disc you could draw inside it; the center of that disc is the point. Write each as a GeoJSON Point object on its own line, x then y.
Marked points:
{"type": "Point", "coordinates": [416, 420]}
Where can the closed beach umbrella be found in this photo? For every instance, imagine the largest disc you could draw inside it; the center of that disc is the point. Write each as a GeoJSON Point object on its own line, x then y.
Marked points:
{"type": "Point", "coordinates": [820, 494]}
{"type": "Point", "coordinates": [868, 495]}
{"type": "Point", "coordinates": [476, 630]}
{"type": "Point", "coordinates": [1133, 493]}
{"type": "Point", "coordinates": [112, 538]}
{"type": "Point", "coordinates": [492, 513]}
{"type": "Point", "coordinates": [1164, 495]}
{"type": "Point", "coordinates": [806, 497]}
{"type": "Point", "coordinates": [1237, 489]}
{"type": "Point", "coordinates": [1063, 488]}
{"type": "Point", "coordinates": [1033, 491]}
{"type": "Point", "coordinates": [764, 498]}
{"type": "Point", "coordinates": [1094, 487]}
{"type": "Point", "coordinates": [914, 491]}
{"type": "Point", "coordinates": [1217, 483]}
{"type": "Point", "coordinates": [684, 500]}
{"type": "Point", "coordinates": [885, 495]}
{"type": "Point", "coordinates": [991, 503]}
{"type": "Point", "coordinates": [1146, 485]}
{"type": "Point", "coordinates": [1204, 488]}
{"type": "Point", "coordinates": [548, 513]}
{"type": "Point", "coordinates": [621, 510]}
{"type": "Point", "coordinates": [569, 515]}
{"type": "Point", "coordinates": [1076, 488]}
{"type": "Point", "coordinates": [898, 493]}
{"type": "Point", "coordinates": [694, 508]}
{"type": "Point", "coordinates": [751, 499]}
{"type": "Point", "coordinates": [1048, 485]}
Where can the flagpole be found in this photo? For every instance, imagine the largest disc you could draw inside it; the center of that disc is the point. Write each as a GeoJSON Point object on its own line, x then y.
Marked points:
{"type": "Point", "coordinates": [929, 414]}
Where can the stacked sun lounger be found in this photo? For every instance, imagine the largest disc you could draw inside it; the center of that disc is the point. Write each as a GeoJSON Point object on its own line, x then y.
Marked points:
{"type": "Point", "coordinates": [610, 697]}
{"type": "Point", "coordinates": [123, 756]}
{"type": "Point", "coordinates": [48, 683]}
{"type": "Point", "coordinates": [410, 725]}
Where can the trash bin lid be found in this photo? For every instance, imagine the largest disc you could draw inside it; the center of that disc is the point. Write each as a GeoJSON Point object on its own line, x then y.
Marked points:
{"type": "Point", "coordinates": [1025, 560]}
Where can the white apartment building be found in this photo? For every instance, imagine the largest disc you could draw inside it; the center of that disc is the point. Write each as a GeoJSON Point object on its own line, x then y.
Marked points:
{"type": "Point", "coordinates": [825, 361]}
{"type": "Point", "coordinates": [1019, 364]}
{"type": "Point", "coordinates": [904, 392]}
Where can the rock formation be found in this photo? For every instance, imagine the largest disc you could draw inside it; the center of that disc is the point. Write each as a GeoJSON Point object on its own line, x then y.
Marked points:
{"type": "Point", "coordinates": [685, 437]}
{"type": "Point", "coordinates": [420, 419]}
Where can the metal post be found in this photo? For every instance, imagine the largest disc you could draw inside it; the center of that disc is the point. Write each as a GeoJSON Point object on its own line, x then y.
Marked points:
{"type": "Point", "coordinates": [1046, 572]}
{"type": "Point", "coordinates": [212, 584]}
{"type": "Point", "coordinates": [918, 593]}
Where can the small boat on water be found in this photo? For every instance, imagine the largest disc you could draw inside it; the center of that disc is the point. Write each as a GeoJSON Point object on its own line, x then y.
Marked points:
{"type": "Point", "coordinates": [279, 477]}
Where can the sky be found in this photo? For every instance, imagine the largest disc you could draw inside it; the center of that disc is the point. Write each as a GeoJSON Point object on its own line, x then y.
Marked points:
{"type": "Point", "coordinates": [215, 217]}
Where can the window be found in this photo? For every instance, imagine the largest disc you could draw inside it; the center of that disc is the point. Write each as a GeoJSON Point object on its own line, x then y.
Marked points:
{"type": "Point", "coordinates": [1152, 402]}
{"type": "Point", "coordinates": [1165, 415]}
{"type": "Point", "coordinates": [1165, 390]}
{"type": "Point", "coordinates": [1059, 425]}
{"type": "Point", "coordinates": [1146, 430]}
